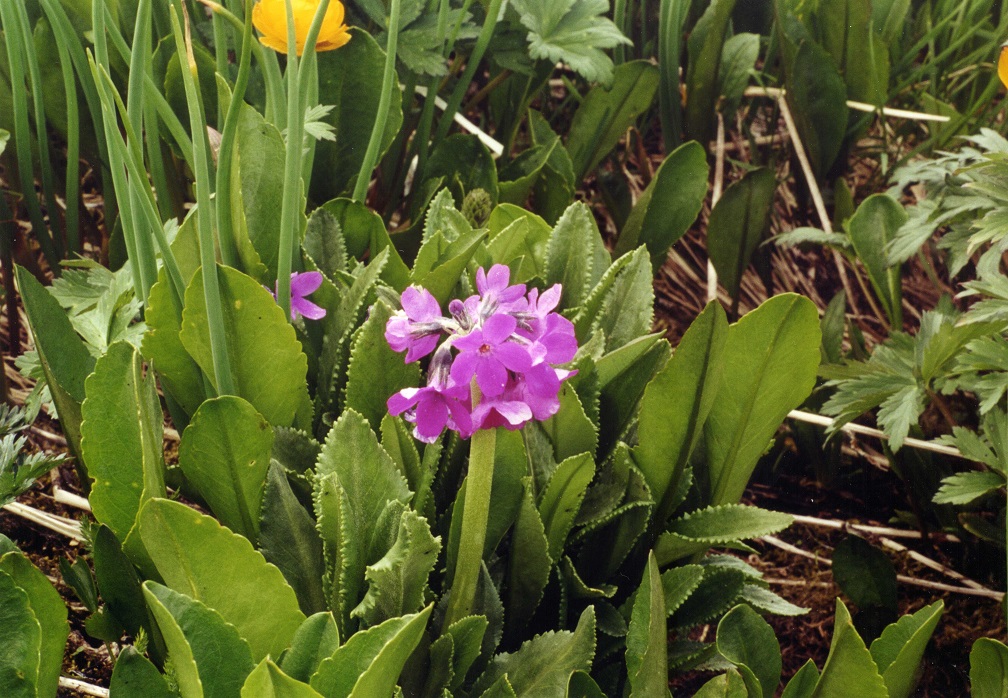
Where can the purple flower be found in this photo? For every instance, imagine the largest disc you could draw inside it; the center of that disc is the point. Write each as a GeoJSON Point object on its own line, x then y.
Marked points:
{"type": "Point", "coordinates": [488, 353]}
{"type": "Point", "coordinates": [304, 284]}
{"type": "Point", "coordinates": [433, 408]}
{"type": "Point", "coordinates": [495, 291]}
{"type": "Point", "coordinates": [416, 328]}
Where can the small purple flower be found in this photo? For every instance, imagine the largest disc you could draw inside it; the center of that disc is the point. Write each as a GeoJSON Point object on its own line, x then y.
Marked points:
{"type": "Point", "coordinates": [495, 291]}
{"type": "Point", "coordinates": [304, 284]}
{"type": "Point", "coordinates": [489, 354]}
{"type": "Point", "coordinates": [433, 408]}
{"type": "Point", "coordinates": [416, 328]}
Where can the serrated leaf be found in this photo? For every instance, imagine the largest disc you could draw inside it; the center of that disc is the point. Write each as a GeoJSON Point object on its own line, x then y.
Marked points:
{"type": "Point", "coordinates": [355, 481]}
{"type": "Point", "coordinates": [562, 498]}
{"type": "Point", "coordinates": [467, 639]}
{"type": "Point", "coordinates": [647, 637]}
{"type": "Point", "coordinates": [544, 664]}
{"type": "Point", "coordinates": [197, 556]}
{"type": "Point", "coordinates": [729, 522]}
{"type": "Point", "coordinates": [289, 540]}
{"type": "Point", "coordinates": [767, 601]}
{"type": "Point", "coordinates": [397, 583]}
{"type": "Point", "coordinates": [576, 257]}
{"type": "Point", "coordinates": [627, 309]}
{"type": "Point", "coordinates": [324, 244]}
{"type": "Point", "coordinates": [678, 583]}
{"type": "Point", "coordinates": [570, 430]}
{"type": "Point", "coordinates": [369, 663]}
{"type": "Point", "coordinates": [529, 564]}
{"type": "Point", "coordinates": [717, 591]}
{"type": "Point", "coordinates": [573, 32]}
{"type": "Point", "coordinates": [963, 488]}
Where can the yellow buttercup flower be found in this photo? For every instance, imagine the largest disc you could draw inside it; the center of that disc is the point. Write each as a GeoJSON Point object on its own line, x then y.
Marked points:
{"type": "Point", "coordinates": [270, 18]}
{"type": "Point", "coordinates": [1003, 65]}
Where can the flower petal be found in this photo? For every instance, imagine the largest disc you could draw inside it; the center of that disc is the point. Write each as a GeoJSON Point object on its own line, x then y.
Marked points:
{"type": "Point", "coordinates": [497, 328]}
{"type": "Point", "coordinates": [305, 283]}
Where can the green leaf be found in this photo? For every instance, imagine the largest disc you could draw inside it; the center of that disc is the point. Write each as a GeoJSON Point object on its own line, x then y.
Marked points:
{"type": "Point", "coordinates": [647, 637]}
{"type": "Point", "coordinates": [678, 583]}
{"type": "Point", "coordinates": [198, 557]}
{"type": "Point", "coordinates": [369, 663]}
{"type": "Point", "coordinates": [705, 44]}
{"type": "Point", "coordinates": [180, 375]}
{"type": "Point", "coordinates": [529, 564]}
{"type": "Point", "coordinates": [769, 368]}
{"type": "Point", "coordinates": [668, 206]}
{"type": "Point", "coordinates": [574, 32]}
{"type": "Point", "coordinates": [257, 189]}
{"type": "Point", "coordinates": [864, 573]}
{"type": "Point", "coordinates": [467, 637]}
{"type": "Point", "coordinates": [745, 639]}
{"type": "Point", "coordinates": [803, 683]}
{"type": "Point", "coordinates": [728, 685]}
{"type": "Point", "coordinates": [898, 650]}
{"type": "Point", "coordinates": [21, 638]}
{"type": "Point", "coordinates": [289, 540]}
{"type": "Point", "coordinates": [739, 222]}
{"type": "Point", "coordinates": [561, 500]}
{"type": "Point", "coordinates": [605, 114]}
{"type": "Point", "coordinates": [221, 656]}
{"type": "Point", "coordinates": [627, 308]}
{"type": "Point", "coordinates": [65, 360]}
{"type": "Point", "coordinates": [365, 235]}
{"type": "Point", "coordinates": [849, 663]}
{"type": "Point", "coordinates": [543, 665]}
{"type": "Point", "coordinates": [676, 404]}
{"type": "Point", "coordinates": [122, 438]}
{"type": "Point", "coordinates": [576, 256]}
{"type": "Point", "coordinates": [135, 675]}
{"type": "Point", "coordinates": [817, 97]}
{"type": "Point", "coordinates": [738, 59]}
{"type": "Point", "coordinates": [118, 582]}
{"type": "Point", "coordinates": [324, 243]}
{"type": "Point", "coordinates": [314, 641]}
{"type": "Point", "coordinates": [355, 481]}
{"type": "Point", "coordinates": [717, 592]}
{"type": "Point", "coordinates": [50, 613]}
{"type": "Point", "coordinates": [762, 599]}
{"type": "Point", "coordinates": [965, 487]}
{"type": "Point", "coordinates": [376, 372]}
{"type": "Point", "coordinates": [464, 164]}
{"type": "Point", "coordinates": [257, 335]}
{"type": "Point", "coordinates": [397, 583]}
{"type": "Point", "coordinates": [268, 681]}
{"type": "Point", "coordinates": [570, 430]}
{"type": "Point", "coordinates": [872, 229]}
{"type": "Point", "coordinates": [582, 685]}
{"type": "Point", "coordinates": [224, 453]}
{"type": "Point", "coordinates": [347, 81]}
{"type": "Point", "coordinates": [501, 688]}
{"type": "Point", "coordinates": [988, 668]}
{"type": "Point", "coordinates": [722, 525]}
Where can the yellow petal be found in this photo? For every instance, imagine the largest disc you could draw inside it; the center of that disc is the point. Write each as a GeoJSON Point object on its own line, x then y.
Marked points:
{"type": "Point", "coordinates": [270, 18]}
{"type": "Point", "coordinates": [1003, 66]}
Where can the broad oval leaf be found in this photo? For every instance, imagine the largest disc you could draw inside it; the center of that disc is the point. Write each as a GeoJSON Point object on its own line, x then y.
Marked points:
{"type": "Point", "coordinates": [871, 229]}
{"type": "Point", "coordinates": [198, 557]}
{"type": "Point", "coordinates": [21, 638]}
{"type": "Point", "coordinates": [849, 663]}
{"type": "Point", "coordinates": [744, 638]}
{"type": "Point", "coordinates": [898, 650]}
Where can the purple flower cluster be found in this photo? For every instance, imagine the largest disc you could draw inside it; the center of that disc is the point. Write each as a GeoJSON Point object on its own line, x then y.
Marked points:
{"type": "Point", "coordinates": [509, 341]}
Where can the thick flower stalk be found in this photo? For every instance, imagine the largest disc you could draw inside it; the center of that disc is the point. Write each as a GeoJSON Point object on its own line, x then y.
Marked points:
{"type": "Point", "coordinates": [270, 18]}
{"type": "Point", "coordinates": [498, 366]}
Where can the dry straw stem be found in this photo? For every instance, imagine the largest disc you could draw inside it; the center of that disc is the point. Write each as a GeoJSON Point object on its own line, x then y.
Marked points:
{"type": "Point", "coordinates": [58, 524]}
{"type": "Point", "coordinates": [871, 529]}
{"type": "Point", "coordinates": [719, 158]}
{"type": "Point", "coordinates": [913, 581]}
{"type": "Point", "coordinates": [777, 93]}
{"type": "Point", "coordinates": [852, 428]}
{"type": "Point", "coordinates": [88, 689]}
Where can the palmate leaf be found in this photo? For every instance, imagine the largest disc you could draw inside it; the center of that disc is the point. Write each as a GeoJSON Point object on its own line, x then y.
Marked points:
{"type": "Point", "coordinates": [573, 32]}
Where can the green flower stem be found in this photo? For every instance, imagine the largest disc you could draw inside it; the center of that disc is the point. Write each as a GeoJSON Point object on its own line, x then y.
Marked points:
{"type": "Point", "coordinates": [476, 511]}
{"type": "Point", "coordinates": [462, 86]}
{"type": "Point", "coordinates": [151, 90]}
{"type": "Point", "coordinates": [275, 101]}
{"type": "Point", "coordinates": [290, 208]}
{"type": "Point", "coordinates": [72, 184]}
{"type": "Point", "coordinates": [204, 220]}
{"type": "Point", "coordinates": [308, 87]}
{"type": "Point", "coordinates": [225, 224]}
{"type": "Point", "coordinates": [389, 83]}
{"type": "Point", "coordinates": [22, 133]}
